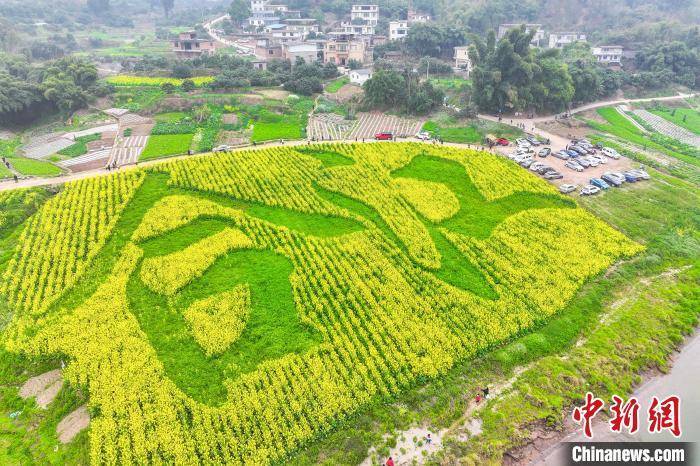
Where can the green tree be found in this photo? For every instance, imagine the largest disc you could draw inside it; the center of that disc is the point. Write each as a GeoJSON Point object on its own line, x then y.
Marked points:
{"type": "Point", "coordinates": [385, 89]}
{"type": "Point", "coordinates": [168, 88]}
{"type": "Point", "coordinates": [239, 10]}
{"type": "Point", "coordinates": [188, 85]}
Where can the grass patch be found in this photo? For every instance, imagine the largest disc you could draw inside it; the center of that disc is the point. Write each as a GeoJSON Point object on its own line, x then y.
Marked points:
{"type": "Point", "coordinates": [170, 117]}
{"type": "Point", "coordinates": [80, 146]}
{"type": "Point", "coordinates": [166, 144]}
{"type": "Point", "coordinates": [335, 85]}
{"type": "Point", "coordinates": [31, 167]}
{"type": "Point", "coordinates": [687, 118]}
{"type": "Point", "coordinates": [452, 130]}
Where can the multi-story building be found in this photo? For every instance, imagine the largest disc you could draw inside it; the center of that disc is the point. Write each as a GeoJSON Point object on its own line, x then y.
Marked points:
{"type": "Point", "coordinates": [608, 54]}
{"type": "Point", "coordinates": [187, 45]}
{"type": "Point", "coordinates": [258, 5]}
{"type": "Point", "coordinates": [280, 33]}
{"type": "Point", "coordinates": [368, 13]}
{"type": "Point", "coordinates": [308, 52]}
{"type": "Point", "coordinates": [558, 40]}
{"type": "Point", "coordinates": [263, 18]}
{"type": "Point", "coordinates": [301, 25]}
{"type": "Point", "coordinates": [462, 60]}
{"type": "Point", "coordinates": [398, 30]}
{"type": "Point", "coordinates": [357, 29]}
{"type": "Point", "coordinates": [268, 49]}
{"type": "Point", "coordinates": [417, 17]}
{"type": "Point", "coordinates": [537, 39]}
{"type": "Point", "coordinates": [341, 48]}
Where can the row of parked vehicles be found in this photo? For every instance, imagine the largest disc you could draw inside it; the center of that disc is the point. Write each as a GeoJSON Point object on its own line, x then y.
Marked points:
{"type": "Point", "coordinates": [526, 160]}
{"type": "Point", "coordinates": [581, 154]}
{"type": "Point", "coordinates": [607, 181]}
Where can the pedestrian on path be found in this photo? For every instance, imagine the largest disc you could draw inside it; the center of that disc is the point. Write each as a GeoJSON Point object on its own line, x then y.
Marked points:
{"type": "Point", "coordinates": [390, 462]}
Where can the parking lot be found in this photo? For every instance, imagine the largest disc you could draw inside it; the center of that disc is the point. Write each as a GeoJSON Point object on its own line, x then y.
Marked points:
{"type": "Point", "coordinates": [571, 176]}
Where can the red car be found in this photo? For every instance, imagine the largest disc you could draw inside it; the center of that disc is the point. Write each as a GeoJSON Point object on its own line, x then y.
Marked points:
{"type": "Point", "coordinates": [502, 141]}
{"type": "Point", "coordinates": [384, 136]}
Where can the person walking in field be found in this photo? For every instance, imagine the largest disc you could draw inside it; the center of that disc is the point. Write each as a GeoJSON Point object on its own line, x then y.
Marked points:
{"type": "Point", "coordinates": [390, 462]}
{"type": "Point", "coordinates": [485, 391]}
{"type": "Point", "coordinates": [428, 439]}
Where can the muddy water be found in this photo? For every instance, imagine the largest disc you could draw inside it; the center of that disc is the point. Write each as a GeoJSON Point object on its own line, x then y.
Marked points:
{"type": "Point", "coordinates": [683, 380]}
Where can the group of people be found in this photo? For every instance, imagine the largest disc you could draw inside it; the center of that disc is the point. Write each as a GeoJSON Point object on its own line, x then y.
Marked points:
{"type": "Point", "coordinates": [112, 166]}
{"type": "Point", "coordinates": [7, 164]}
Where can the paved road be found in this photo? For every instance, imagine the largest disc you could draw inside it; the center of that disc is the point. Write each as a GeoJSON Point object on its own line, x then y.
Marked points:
{"type": "Point", "coordinates": [209, 27]}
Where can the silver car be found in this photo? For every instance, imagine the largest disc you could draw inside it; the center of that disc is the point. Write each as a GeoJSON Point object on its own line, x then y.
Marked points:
{"type": "Point", "coordinates": [567, 188]}
{"type": "Point", "coordinates": [573, 165]}
{"type": "Point", "coordinates": [589, 190]}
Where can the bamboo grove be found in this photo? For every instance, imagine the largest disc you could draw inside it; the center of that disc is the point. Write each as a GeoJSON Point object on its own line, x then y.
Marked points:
{"type": "Point", "coordinates": [381, 315]}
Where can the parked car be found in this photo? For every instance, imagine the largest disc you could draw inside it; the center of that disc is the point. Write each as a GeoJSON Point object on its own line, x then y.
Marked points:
{"type": "Point", "coordinates": [599, 183]}
{"type": "Point", "coordinates": [544, 152]}
{"type": "Point", "coordinates": [610, 152]}
{"type": "Point", "coordinates": [533, 140]}
{"type": "Point", "coordinates": [611, 180]}
{"type": "Point", "coordinates": [567, 188]}
{"type": "Point", "coordinates": [600, 158]}
{"type": "Point", "coordinates": [423, 136]}
{"type": "Point", "coordinates": [384, 136]}
{"type": "Point", "coordinates": [502, 142]}
{"type": "Point", "coordinates": [640, 173]}
{"type": "Point", "coordinates": [592, 160]}
{"type": "Point", "coordinates": [572, 153]}
{"type": "Point", "coordinates": [525, 163]}
{"type": "Point", "coordinates": [589, 190]}
{"type": "Point", "coordinates": [630, 177]}
{"type": "Point", "coordinates": [553, 175]}
{"type": "Point", "coordinates": [583, 162]}
{"type": "Point", "coordinates": [561, 154]}
{"type": "Point", "coordinates": [536, 166]}
{"type": "Point", "coordinates": [574, 166]}
{"type": "Point", "coordinates": [522, 142]}
{"type": "Point", "coordinates": [619, 177]}
{"type": "Point", "coordinates": [544, 169]}
{"type": "Point", "coordinates": [221, 148]}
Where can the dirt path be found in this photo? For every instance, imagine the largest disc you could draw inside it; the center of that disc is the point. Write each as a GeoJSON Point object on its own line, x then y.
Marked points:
{"type": "Point", "coordinates": [72, 424]}
{"type": "Point", "coordinates": [44, 387]}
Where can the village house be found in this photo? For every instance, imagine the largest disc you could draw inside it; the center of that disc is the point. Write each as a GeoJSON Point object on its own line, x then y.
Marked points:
{"type": "Point", "coordinates": [558, 40]}
{"type": "Point", "coordinates": [462, 61]}
{"type": "Point", "coordinates": [187, 45]}
{"type": "Point", "coordinates": [341, 48]}
{"type": "Point", "coordinates": [608, 54]}
{"type": "Point", "coordinates": [267, 49]}
{"type": "Point", "coordinates": [368, 13]}
{"type": "Point", "coordinates": [537, 39]}
{"type": "Point", "coordinates": [360, 76]}
{"type": "Point", "coordinates": [307, 52]}
{"type": "Point", "coordinates": [398, 30]}
{"type": "Point", "coordinates": [417, 17]}
{"type": "Point", "coordinates": [357, 29]}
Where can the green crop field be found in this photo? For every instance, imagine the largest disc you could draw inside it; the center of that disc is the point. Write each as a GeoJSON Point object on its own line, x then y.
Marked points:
{"type": "Point", "coordinates": [687, 118]}
{"type": "Point", "coordinates": [265, 297]}
{"type": "Point", "coordinates": [160, 145]}
{"type": "Point", "coordinates": [620, 127]}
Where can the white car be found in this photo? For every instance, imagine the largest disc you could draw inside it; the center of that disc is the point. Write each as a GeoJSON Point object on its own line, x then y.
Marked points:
{"type": "Point", "coordinates": [574, 166]}
{"type": "Point", "coordinates": [589, 190]}
{"type": "Point", "coordinates": [600, 158]}
{"type": "Point", "coordinates": [523, 142]}
{"type": "Point", "coordinates": [221, 148]}
{"type": "Point", "coordinates": [567, 188]}
{"type": "Point", "coordinates": [593, 161]}
{"type": "Point", "coordinates": [423, 136]}
{"type": "Point", "coordinates": [610, 152]}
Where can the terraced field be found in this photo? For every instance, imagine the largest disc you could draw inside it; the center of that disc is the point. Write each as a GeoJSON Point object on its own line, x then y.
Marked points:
{"type": "Point", "coordinates": [232, 308]}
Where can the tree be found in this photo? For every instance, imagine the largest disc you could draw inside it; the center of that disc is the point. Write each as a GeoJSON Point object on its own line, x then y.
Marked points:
{"type": "Point", "coordinates": [168, 88]}
{"type": "Point", "coordinates": [182, 70]}
{"type": "Point", "coordinates": [385, 89]}
{"type": "Point", "coordinates": [239, 10]}
{"type": "Point", "coordinates": [167, 6]}
{"type": "Point", "coordinates": [435, 41]}
{"type": "Point", "coordinates": [509, 75]}
{"type": "Point", "coordinates": [202, 113]}
{"type": "Point", "coordinates": [676, 59]}
{"type": "Point", "coordinates": [188, 85]}
{"type": "Point", "coordinates": [354, 64]}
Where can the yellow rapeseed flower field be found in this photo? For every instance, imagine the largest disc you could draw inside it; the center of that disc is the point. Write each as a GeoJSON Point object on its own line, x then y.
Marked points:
{"type": "Point", "coordinates": [214, 313]}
